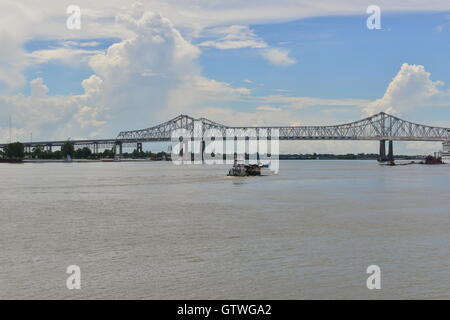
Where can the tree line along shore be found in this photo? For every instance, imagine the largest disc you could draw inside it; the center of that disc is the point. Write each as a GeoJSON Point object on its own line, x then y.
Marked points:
{"type": "Point", "coordinates": [16, 150]}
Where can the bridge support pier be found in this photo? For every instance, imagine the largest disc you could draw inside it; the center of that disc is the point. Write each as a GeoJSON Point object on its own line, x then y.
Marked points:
{"type": "Point", "coordinates": [224, 149]}
{"type": "Point", "coordinates": [391, 151]}
{"type": "Point", "coordinates": [192, 147]}
{"type": "Point", "coordinates": [390, 156]}
{"type": "Point", "coordinates": [382, 155]}
{"type": "Point", "coordinates": [118, 148]}
{"type": "Point", "coordinates": [203, 146]}
{"type": "Point", "coordinates": [139, 147]}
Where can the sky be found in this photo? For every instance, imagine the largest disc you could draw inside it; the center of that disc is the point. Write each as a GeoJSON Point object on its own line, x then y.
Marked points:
{"type": "Point", "coordinates": [132, 65]}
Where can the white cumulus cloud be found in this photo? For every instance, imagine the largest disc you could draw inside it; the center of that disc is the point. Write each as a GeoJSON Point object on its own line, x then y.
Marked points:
{"type": "Point", "coordinates": [278, 56]}
{"type": "Point", "coordinates": [149, 76]}
{"type": "Point", "coordinates": [412, 87]}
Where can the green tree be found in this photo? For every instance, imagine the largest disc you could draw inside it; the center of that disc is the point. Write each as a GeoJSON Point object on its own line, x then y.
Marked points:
{"type": "Point", "coordinates": [56, 155]}
{"type": "Point", "coordinates": [15, 150]}
{"type": "Point", "coordinates": [37, 152]}
{"type": "Point", "coordinates": [138, 154]}
{"type": "Point", "coordinates": [108, 153]}
{"type": "Point", "coordinates": [83, 153]}
{"type": "Point", "coordinates": [68, 149]}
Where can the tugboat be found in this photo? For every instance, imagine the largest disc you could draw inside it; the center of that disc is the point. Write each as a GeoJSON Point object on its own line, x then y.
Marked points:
{"type": "Point", "coordinates": [243, 170]}
{"type": "Point", "coordinates": [433, 160]}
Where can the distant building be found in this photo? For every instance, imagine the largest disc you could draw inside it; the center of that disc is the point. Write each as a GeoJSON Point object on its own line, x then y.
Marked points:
{"type": "Point", "coordinates": [446, 151]}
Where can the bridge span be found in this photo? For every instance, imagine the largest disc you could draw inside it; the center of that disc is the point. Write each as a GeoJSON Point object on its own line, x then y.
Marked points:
{"type": "Point", "coordinates": [380, 127]}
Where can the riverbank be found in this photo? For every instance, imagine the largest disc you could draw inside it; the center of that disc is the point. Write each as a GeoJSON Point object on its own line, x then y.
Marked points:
{"type": "Point", "coordinates": [85, 160]}
{"type": "Point", "coordinates": [11, 160]}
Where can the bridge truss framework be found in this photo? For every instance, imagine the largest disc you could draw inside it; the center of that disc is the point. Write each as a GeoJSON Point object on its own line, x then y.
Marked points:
{"type": "Point", "coordinates": [377, 127]}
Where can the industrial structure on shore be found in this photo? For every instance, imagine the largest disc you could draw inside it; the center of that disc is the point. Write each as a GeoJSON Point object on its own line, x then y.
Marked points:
{"type": "Point", "coordinates": [446, 151]}
{"type": "Point", "coordinates": [379, 127]}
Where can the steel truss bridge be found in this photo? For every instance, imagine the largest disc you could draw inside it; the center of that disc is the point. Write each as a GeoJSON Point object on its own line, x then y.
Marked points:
{"type": "Point", "coordinates": [381, 127]}
{"type": "Point", "coordinates": [377, 127]}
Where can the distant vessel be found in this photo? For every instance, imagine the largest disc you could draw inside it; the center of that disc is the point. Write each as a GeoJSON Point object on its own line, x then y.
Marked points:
{"type": "Point", "coordinates": [433, 160]}
{"type": "Point", "coordinates": [243, 170]}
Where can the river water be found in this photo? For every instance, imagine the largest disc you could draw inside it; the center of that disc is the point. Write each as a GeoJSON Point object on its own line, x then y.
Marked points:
{"type": "Point", "coordinates": [157, 231]}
